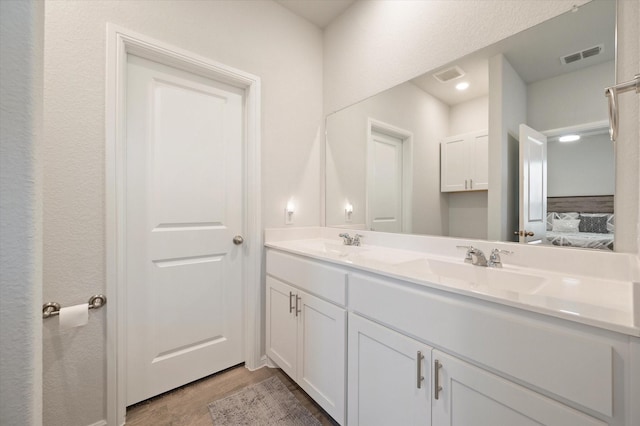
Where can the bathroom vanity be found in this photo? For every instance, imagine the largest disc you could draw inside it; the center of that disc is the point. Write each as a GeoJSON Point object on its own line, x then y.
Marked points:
{"type": "Point", "coordinates": [382, 335]}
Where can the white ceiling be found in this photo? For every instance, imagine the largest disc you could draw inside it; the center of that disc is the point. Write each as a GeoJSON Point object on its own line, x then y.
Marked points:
{"type": "Point", "coordinates": [318, 12]}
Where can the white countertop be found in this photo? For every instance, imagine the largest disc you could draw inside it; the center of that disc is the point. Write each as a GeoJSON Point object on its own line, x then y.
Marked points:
{"type": "Point", "coordinates": [606, 303]}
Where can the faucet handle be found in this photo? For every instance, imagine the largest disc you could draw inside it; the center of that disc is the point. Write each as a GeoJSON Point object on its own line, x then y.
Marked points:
{"type": "Point", "coordinates": [494, 259]}
{"type": "Point", "coordinates": [356, 239]}
{"type": "Point", "coordinates": [468, 258]}
{"type": "Point", "coordinates": [346, 239]}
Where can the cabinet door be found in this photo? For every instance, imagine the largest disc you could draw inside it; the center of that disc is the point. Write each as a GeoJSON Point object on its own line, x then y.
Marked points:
{"type": "Point", "coordinates": [454, 164]}
{"type": "Point", "coordinates": [322, 353]}
{"type": "Point", "coordinates": [281, 327]}
{"type": "Point", "coordinates": [479, 164]}
{"type": "Point", "coordinates": [472, 396]}
{"type": "Point", "coordinates": [384, 367]}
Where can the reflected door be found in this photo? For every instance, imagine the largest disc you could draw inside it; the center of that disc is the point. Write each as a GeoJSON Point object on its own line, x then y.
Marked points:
{"type": "Point", "coordinates": [385, 183]}
{"type": "Point", "coordinates": [183, 208]}
{"type": "Point", "coordinates": [533, 185]}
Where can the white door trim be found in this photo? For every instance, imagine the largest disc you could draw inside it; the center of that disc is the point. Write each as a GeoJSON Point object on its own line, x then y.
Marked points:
{"type": "Point", "coordinates": [406, 136]}
{"type": "Point", "coordinates": [120, 42]}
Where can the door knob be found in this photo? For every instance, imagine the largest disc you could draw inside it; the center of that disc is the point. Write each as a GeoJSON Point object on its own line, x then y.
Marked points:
{"type": "Point", "coordinates": [524, 233]}
{"type": "Point", "coordinates": [237, 240]}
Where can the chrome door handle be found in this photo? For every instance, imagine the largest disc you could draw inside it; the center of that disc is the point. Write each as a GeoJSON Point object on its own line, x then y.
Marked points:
{"type": "Point", "coordinates": [436, 379]}
{"type": "Point", "coordinates": [237, 240]}
{"type": "Point", "coordinates": [290, 302]}
{"type": "Point", "coordinates": [419, 376]}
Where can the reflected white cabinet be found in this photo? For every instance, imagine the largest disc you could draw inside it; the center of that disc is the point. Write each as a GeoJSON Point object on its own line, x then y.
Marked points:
{"type": "Point", "coordinates": [389, 376]}
{"type": "Point", "coordinates": [464, 162]}
{"type": "Point", "coordinates": [305, 337]}
{"type": "Point", "coordinates": [468, 395]}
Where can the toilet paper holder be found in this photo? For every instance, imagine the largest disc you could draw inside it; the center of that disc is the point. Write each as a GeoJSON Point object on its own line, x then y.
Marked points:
{"type": "Point", "coordinates": [52, 308]}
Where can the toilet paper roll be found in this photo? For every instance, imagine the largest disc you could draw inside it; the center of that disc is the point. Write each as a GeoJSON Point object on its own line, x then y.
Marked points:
{"type": "Point", "coordinates": [74, 316]}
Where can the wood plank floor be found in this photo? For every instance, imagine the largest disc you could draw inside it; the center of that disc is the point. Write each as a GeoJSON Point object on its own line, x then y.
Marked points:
{"type": "Point", "coordinates": [187, 405]}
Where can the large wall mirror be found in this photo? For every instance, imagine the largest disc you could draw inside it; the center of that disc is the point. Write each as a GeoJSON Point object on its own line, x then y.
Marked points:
{"type": "Point", "coordinates": [509, 143]}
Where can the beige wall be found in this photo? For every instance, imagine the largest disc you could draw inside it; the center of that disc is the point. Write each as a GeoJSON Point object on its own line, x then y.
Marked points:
{"type": "Point", "coordinates": [259, 37]}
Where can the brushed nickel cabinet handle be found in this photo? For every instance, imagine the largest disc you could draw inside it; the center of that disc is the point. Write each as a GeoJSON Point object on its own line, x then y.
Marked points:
{"type": "Point", "coordinates": [419, 376]}
{"type": "Point", "coordinates": [436, 380]}
{"type": "Point", "coordinates": [290, 302]}
{"type": "Point", "coordinates": [470, 183]}
{"type": "Point", "coordinates": [465, 184]}
{"type": "Point", "coordinates": [298, 298]}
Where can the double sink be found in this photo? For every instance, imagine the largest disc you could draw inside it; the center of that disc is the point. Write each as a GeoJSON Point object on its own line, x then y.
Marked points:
{"type": "Point", "coordinates": [412, 264]}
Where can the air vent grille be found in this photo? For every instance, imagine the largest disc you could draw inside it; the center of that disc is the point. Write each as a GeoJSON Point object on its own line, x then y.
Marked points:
{"type": "Point", "coordinates": [449, 74]}
{"type": "Point", "coordinates": [584, 54]}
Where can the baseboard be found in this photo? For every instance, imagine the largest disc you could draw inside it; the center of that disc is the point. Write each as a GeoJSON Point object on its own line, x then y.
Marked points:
{"type": "Point", "coordinates": [263, 362]}
{"type": "Point", "coordinates": [99, 423]}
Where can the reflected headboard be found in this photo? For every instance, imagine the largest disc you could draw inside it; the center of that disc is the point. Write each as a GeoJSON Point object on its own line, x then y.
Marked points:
{"type": "Point", "coordinates": [581, 204]}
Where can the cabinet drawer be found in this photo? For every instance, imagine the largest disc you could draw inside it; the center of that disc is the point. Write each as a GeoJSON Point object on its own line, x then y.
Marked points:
{"type": "Point", "coordinates": [561, 361]}
{"type": "Point", "coordinates": [314, 277]}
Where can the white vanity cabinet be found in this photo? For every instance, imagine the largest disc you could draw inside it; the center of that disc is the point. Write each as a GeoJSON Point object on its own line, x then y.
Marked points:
{"type": "Point", "coordinates": [464, 162]}
{"type": "Point", "coordinates": [418, 355]}
{"type": "Point", "coordinates": [468, 395]}
{"type": "Point", "coordinates": [389, 378]}
{"type": "Point", "coordinates": [305, 334]}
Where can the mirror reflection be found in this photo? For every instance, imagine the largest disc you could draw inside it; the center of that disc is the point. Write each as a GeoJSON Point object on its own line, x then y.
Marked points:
{"type": "Point", "coordinates": [478, 148]}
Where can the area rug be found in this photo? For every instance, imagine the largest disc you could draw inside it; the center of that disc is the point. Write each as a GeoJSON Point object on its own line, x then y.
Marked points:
{"type": "Point", "coordinates": [266, 403]}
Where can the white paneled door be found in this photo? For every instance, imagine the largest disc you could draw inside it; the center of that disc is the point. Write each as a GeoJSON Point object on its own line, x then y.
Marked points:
{"type": "Point", "coordinates": [385, 183]}
{"type": "Point", "coordinates": [184, 206]}
{"type": "Point", "coordinates": [533, 185]}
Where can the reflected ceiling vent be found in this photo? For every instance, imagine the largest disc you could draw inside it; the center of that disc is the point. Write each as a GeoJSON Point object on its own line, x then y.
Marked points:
{"type": "Point", "coordinates": [587, 53]}
{"type": "Point", "coordinates": [449, 74]}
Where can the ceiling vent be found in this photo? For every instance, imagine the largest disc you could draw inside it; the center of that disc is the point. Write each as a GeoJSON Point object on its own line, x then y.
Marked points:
{"type": "Point", "coordinates": [449, 74]}
{"type": "Point", "coordinates": [584, 54]}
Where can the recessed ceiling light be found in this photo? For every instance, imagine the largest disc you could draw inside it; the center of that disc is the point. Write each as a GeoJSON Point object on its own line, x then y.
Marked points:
{"type": "Point", "coordinates": [569, 138]}
{"type": "Point", "coordinates": [462, 86]}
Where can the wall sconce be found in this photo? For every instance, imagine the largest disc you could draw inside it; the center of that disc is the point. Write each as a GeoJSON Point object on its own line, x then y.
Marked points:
{"type": "Point", "coordinates": [288, 213]}
{"type": "Point", "coordinates": [348, 211]}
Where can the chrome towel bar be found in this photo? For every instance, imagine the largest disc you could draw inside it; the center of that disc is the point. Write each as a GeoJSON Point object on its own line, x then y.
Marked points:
{"type": "Point", "coordinates": [52, 308]}
{"type": "Point", "coordinates": [612, 93]}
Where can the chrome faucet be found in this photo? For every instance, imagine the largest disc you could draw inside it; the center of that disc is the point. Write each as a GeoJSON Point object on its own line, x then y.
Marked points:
{"type": "Point", "coordinates": [494, 259]}
{"type": "Point", "coordinates": [349, 240]}
{"type": "Point", "coordinates": [474, 256]}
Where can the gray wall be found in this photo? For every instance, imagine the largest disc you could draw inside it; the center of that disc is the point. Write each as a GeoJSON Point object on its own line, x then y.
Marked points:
{"type": "Point", "coordinates": [405, 106]}
{"type": "Point", "coordinates": [259, 37]}
{"type": "Point", "coordinates": [585, 167]}
{"type": "Point", "coordinates": [21, 47]}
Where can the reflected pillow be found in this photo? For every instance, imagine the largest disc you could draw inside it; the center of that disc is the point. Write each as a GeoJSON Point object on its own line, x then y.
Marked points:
{"type": "Point", "coordinates": [566, 225]}
{"type": "Point", "coordinates": [594, 223]}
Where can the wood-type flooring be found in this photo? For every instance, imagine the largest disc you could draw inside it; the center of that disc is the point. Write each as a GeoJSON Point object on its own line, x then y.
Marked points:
{"type": "Point", "coordinates": [187, 405]}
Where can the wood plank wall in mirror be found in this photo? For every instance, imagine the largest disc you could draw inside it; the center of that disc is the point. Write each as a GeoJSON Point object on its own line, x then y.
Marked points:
{"type": "Point", "coordinates": [430, 156]}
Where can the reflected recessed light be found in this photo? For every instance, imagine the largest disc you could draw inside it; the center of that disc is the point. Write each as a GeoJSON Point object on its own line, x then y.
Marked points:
{"type": "Point", "coordinates": [462, 86]}
{"type": "Point", "coordinates": [569, 138]}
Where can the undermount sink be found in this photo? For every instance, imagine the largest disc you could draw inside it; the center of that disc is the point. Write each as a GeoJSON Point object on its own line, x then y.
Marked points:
{"type": "Point", "coordinates": [478, 277]}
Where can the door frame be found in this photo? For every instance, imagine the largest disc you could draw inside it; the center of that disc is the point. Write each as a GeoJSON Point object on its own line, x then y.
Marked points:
{"type": "Point", "coordinates": [121, 42]}
{"type": "Point", "coordinates": [406, 136]}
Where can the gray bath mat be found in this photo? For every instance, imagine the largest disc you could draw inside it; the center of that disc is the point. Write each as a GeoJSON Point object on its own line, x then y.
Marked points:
{"type": "Point", "coordinates": [266, 403]}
